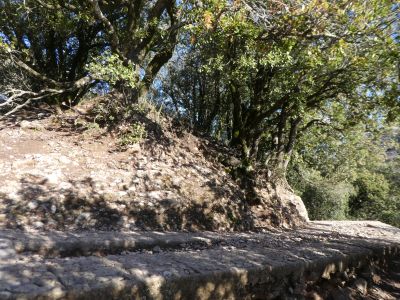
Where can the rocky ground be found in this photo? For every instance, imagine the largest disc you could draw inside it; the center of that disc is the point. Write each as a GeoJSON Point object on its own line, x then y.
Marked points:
{"type": "Point", "coordinates": [64, 172]}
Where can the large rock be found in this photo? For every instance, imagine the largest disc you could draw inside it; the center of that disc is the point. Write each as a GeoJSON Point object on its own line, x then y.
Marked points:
{"type": "Point", "coordinates": [292, 201]}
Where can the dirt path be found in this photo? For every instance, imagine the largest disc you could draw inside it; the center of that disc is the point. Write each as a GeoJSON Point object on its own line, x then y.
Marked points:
{"type": "Point", "coordinates": [326, 260]}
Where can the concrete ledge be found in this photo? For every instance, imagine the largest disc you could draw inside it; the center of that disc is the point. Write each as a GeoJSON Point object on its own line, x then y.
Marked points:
{"type": "Point", "coordinates": [229, 266]}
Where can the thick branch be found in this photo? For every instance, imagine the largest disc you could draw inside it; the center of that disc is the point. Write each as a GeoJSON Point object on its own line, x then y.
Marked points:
{"type": "Point", "coordinates": [294, 124]}
{"type": "Point", "coordinates": [16, 95]}
{"type": "Point", "coordinates": [115, 43]}
{"type": "Point", "coordinates": [154, 18]}
{"type": "Point", "coordinates": [36, 74]}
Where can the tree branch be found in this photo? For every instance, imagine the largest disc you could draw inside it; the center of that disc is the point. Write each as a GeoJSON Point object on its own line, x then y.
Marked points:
{"type": "Point", "coordinates": [62, 4]}
{"type": "Point", "coordinates": [115, 43]}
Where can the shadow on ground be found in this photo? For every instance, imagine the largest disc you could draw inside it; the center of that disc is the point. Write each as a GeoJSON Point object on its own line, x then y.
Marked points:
{"type": "Point", "coordinates": [80, 206]}
{"type": "Point", "coordinates": [272, 266]}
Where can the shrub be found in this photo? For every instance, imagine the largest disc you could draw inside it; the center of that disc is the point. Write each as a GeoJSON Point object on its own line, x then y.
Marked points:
{"type": "Point", "coordinates": [134, 134]}
{"type": "Point", "coordinates": [371, 198]}
{"type": "Point", "coordinates": [391, 217]}
{"type": "Point", "coordinates": [326, 200]}
{"type": "Point", "coordinates": [111, 112]}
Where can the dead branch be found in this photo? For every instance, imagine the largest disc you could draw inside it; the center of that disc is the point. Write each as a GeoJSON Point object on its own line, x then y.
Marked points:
{"type": "Point", "coordinates": [21, 97]}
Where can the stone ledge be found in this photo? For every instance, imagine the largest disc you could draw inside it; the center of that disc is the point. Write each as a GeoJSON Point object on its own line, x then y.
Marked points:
{"type": "Point", "coordinates": [231, 266]}
{"type": "Point", "coordinates": [63, 244]}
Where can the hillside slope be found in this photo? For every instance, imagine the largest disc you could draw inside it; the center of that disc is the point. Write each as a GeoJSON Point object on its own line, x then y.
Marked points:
{"type": "Point", "coordinates": [64, 173]}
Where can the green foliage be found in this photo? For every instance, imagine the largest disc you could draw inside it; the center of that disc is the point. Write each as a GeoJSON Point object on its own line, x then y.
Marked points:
{"type": "Point", "coordinates": [327, 200]}
{"type": "Point", "coordinates": [371, 199]}
{"type": "Point", "coordinates": [341, 153]}
{"type": "Point", "coordinates": [115, 110]}
{"type": "Point", "coordinates": [47, 38]}
{"type": "Point", "coordinates": [286, 69]}
{"type": "Point", "coordinates": [110, 68]}
{"type": "Point", "coordinates": [132, 134]}
{"type": "Point", "coordinates": [68, 47]}
{"type": "Point", "coordinates": [326, 160]}
{"type": "Point", "coordinates": [391, 217]}
{"type": "Point", "coordinates": [82, 123]}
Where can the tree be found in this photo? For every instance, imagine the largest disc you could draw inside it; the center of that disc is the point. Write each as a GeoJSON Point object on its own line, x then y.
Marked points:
{"type": "Point", "coordinates": [52, 42]}
{"type": "Point", "coordinates": [371, 198]}
{"type": "Point", "coordinates": [290, 66]}
{"type": "Point", "coordinates": [194, 94]}
{"type": "Point", "coordinates": [352, 172]}
{"type": "Point", "coordinates": [47, 44]}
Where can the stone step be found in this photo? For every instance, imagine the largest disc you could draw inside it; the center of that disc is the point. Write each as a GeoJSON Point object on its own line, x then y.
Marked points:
{"type": "Point", "coordinates": [223, 266]}
{"type": "Point", "coordinates": [52, 244]}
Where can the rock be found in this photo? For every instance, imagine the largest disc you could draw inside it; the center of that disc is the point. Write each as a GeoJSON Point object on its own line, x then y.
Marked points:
{"type": "Point", "coordinates": [376, 279]}
{"type": "Point", "coordinates": [176, 181]}
{"type": "Point", "coordinates": [340, 294]}
{"type": "Point", "coordinates": [3, 217]}
{"type": "Point", "coordinates": [289, 199]}
{"type": "Point", "coordinates": [156, 249]}
{"type": "Point", "coordinates": [158, 195]}
{"type": "Point", "coordinates": [167, 274]}
{"type": "Point", "coordinates": [64, 160]}
{"type": "Point", "coordinates": [54, 177]}
{"type": "Point", "coordinates": [5, 244]}
{"type": "Point", "coordinates": [31, 125]}
{"type": "Point", "coordinates": [33, 205]}
{"type": "Point", "coordinates": [51, 222]}
{"type": "Point", "coordinates": [122, 193]}
{"type": "Point", "coordinates": [361, 285]}
{"type": "Point", "coordinates": [140, 173]}
{"type": "Point", "coordinates": [38, 224]}
{"type": "Point", "coordinates": [314, 296]}
{"type": "Point", "coordinates": [329, 269]}
{"type": "Point", "coordinates": [65, 185]}
{"type": "Point", "coordinates": [82, 217]}
{"type": "Point", "coordinates": [213, 182]}
{"type": "Point", "coordinates": [123, 186]}
{"type": "Point", "coordinates": [136, 180]}
{"type": "Point", "coordinates": [133, 149]}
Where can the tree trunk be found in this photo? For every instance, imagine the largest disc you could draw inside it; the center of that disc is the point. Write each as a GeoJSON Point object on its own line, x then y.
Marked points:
{"type": "Point", "coordinates": [281, 155]}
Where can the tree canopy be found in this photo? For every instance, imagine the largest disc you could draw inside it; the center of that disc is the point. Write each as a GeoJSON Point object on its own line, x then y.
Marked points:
{"type": "Point", "coordinates": [65, 47]}
{"type": "Point", "coordinates": [266, 73]}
